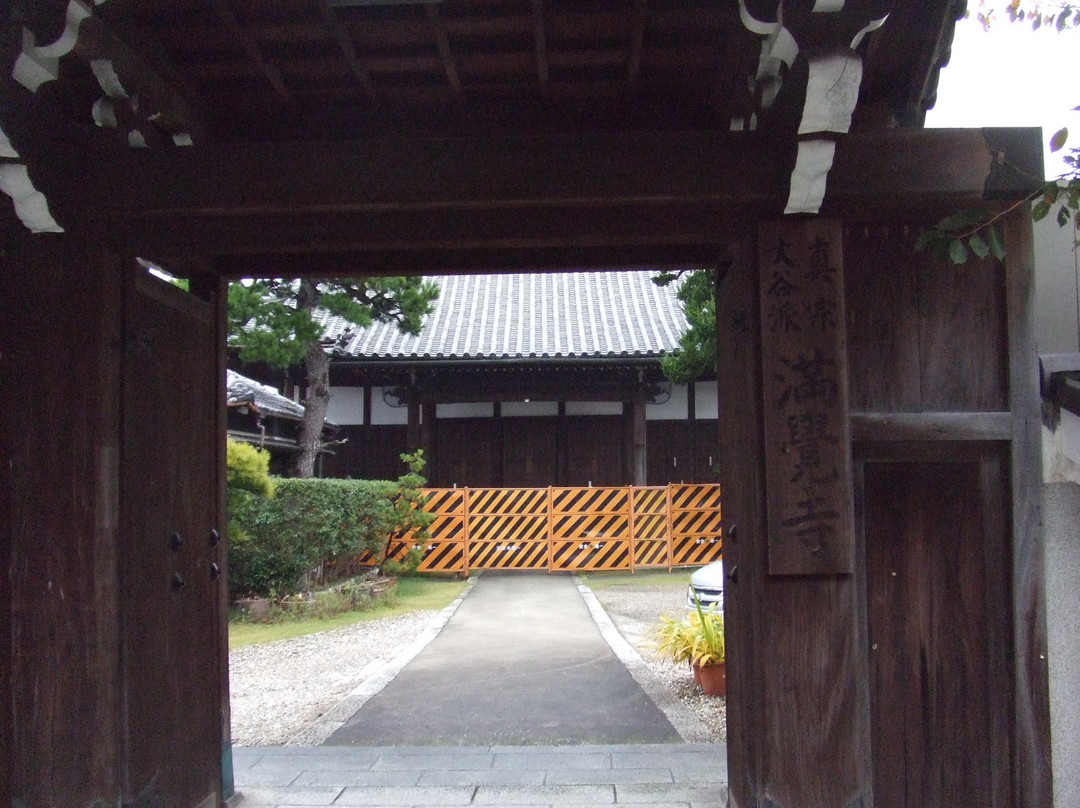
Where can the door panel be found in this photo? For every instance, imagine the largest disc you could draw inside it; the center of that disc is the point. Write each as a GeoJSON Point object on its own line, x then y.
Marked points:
{"type": "Point", "coordinates": [170, 623]}
{"type": "Point", "coordinates": [938, 697]}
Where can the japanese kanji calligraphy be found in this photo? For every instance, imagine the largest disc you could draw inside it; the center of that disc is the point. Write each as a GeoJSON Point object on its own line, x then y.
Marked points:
{"type": "Point", "coordinates": [807, 445]}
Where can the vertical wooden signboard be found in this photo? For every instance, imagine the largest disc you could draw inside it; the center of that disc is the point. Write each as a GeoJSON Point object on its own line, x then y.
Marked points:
{"type": "Point", "coordinates": [804, 384]}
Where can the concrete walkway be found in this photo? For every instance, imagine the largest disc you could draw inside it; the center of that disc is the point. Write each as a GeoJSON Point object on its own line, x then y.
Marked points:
{"type": "Point", "coordinates": [520, 662]}
{"type": "Point", "coordinates": [519, 700]}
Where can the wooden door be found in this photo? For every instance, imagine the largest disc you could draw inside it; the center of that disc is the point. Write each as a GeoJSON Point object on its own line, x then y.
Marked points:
{"type": "Point", "coordinates": [939, 633]}
{"type": "Point", "coordinates": [169, 581]}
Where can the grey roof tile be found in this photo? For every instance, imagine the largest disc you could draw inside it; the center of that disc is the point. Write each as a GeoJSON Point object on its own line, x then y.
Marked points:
{"type": "Point", "coordinates": [551, 315]}
{"type": "Point", "coordinates": [263, 397]}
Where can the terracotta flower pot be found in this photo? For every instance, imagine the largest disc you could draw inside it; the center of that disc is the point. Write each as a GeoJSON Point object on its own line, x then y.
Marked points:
{"type": "Point", "coordinates": [712, 678]}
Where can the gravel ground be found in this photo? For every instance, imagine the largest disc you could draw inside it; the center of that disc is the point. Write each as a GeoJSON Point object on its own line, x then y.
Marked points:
{"type": "Point", "coordinates": [636, 610]}
{"type": "Point", "coordinates": [280, 688]}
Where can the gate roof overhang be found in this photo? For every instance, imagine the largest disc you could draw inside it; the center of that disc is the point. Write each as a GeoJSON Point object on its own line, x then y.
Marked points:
{"type": "Point", "coordinates": [472, 135]}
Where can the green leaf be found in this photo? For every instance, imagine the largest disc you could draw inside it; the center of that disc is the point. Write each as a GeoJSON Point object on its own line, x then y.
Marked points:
{"type": "Point", "coordinates": [962, 220]}
{"type": "Point", "coordinates": [926, 239]}
{"type": "Point", "coordinates": [979, 246]}
{"type": "Point", "coordinates": [1063, 216]}
{"type": "Point", "coordinates": [997, 246]}
{"type": "Point", "coordinates": [958, 253]}
{"type": "Point", "coordinates": [1059, 138]}
{"type": "Point", "coordinates": [1039, 211]}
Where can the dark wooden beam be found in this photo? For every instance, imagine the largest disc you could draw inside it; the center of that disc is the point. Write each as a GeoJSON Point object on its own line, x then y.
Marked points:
{"type": "Point", "coordinates": [540, 37]}
{"type": "Point", "coordinates": [348, 49]}
{"type": "Point", "coordinates": [931, 426]}
{"type": "Point", "coordinates": [637, 41]}
{"type": "Point", "coordinates": [903, 167]}
{"type": "Point", "coordinates": [251, 47]}
{"type": "Point", "coordinates": [442, 41]}
{"type": "Point", "coordinates": [176, 109]}
{"type": "Point", "coordinates": [673, 224]}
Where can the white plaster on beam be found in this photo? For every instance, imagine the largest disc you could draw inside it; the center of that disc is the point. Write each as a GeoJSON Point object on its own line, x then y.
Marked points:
{"type": "Point", "coordinates": [6, 149]}
{"type": "Point", "coordinates": [105, 73]}
{"type": "Point", "coordinates": [832, 90]}
{"type": "Point", "coordinates": [812, 166]}
{"type": "Point", "coordinates": [873, 26]}
{"type": "Point", "coordinates": [37, 65]}
{"type": "Point", "coordinates": [31, 206]}
{"type": "Point", "coordinates": [828, 6]}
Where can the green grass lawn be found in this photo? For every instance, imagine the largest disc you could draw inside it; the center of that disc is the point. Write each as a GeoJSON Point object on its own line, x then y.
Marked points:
{"type": "Point", "coordinates": [678, 578]}
{"type": "Point", "coordinates": [412, 595]}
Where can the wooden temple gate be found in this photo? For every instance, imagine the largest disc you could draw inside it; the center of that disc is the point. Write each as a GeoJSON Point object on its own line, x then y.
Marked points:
{"type": "Point", "coordinates": [568, 529]}
{"type": "Point", "coordinates": [879, 412]}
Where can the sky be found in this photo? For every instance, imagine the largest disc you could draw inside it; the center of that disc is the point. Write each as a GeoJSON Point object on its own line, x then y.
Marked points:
{"type": "Point", "coordinates": [1011, 76]}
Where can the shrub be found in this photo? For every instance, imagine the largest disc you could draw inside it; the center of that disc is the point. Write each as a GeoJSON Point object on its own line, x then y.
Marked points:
{"type": "Point", "coordinates": [311, 521]}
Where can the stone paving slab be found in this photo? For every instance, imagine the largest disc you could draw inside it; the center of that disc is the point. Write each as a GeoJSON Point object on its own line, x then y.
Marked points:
{"type": "Point", "coordinates": [649, 776]}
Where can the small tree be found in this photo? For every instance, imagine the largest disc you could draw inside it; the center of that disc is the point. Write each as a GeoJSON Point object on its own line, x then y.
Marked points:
{"type": "Point", "coordinates": [273, 321]}
{"type": "Point", "coordinates": [696, 354]}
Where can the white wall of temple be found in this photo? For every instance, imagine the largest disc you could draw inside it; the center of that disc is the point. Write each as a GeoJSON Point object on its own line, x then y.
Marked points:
{"type": "Point", "coordinates": [676, 408]}
{"type": "Point", "coordinates": [347, 407]}
{"type": "Point", "coordinates": [468, 410]}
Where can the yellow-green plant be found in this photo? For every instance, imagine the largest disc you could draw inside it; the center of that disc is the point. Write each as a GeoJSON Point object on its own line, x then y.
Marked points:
{"type": "Point", "coordinates": [698, 639]}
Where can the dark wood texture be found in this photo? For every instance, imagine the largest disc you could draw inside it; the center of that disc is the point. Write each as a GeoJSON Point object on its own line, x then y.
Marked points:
{"type": "Point", "coordinates": [937, 616]}
{"type": "Point", "coordinates": [592, 451]}
{"type": "Point", "coordinates": [59, 705]}
{"type": "Point", "coordinates": [797, 697]}
{"type": "Point", "coordinates": [529, 451]}
{"type": "Point", "coordinates": [170, 598]}
{"type": "Point", "coordinates": [1033, 785]}
{"type": "Point", "coordinates": [215, 292]}
{"type": "Point", "coordinates": [805, 389]}
{"type": "Point", "coordinates": [931, 426]}
{"type": "Point", "coordinates": [742, 483]}
{"type": "Point", "coordinates": [369, 453]}
{"type": "Point", "coordinates": [466, 454]}
{"type": "Point", "coordinates": [922, 336]}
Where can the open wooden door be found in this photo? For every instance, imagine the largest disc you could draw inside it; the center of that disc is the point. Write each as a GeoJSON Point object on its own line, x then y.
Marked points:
{"type": "Point", "coordinates": [170, 554]}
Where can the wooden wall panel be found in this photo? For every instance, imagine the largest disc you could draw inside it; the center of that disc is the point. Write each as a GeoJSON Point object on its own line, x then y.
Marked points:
{"type": "Point", "coordinates": [962, 335]}
{"type": "Point", "coordinates": [882, 306]}
{"type": "Point", "coordinates": [923, 336]}
{"type": "Point", "coordinates": [592, 451]}
{"type": "Point", "coordinates": [671, 456]}
{"type": "Point", "coordinates": [939, 700]}
{"type": "Point", "coordinates": [530, 452]}
{"type": "Point", "coordinates": [60, 372]}
{"type": "Point", "coordinates": [369, 453]}
{"type": "Point", "coordinates": [466, 453]}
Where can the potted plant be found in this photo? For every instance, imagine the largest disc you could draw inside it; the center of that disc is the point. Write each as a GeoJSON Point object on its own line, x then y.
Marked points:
{"type": "Point", "coordinates": [697, 640]}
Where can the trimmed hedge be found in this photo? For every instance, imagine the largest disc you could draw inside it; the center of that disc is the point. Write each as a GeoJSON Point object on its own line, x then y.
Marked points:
{"type": "Point", "coordinates": [311, 521]}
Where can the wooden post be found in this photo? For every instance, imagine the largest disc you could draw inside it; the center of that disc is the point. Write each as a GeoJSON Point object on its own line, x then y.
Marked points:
{"type": "Point", "coordinates": [413, 438]}
{"type": "Point", "coordinates": [797, 699]}
{"type": "Point", "coordinates": [640, 449]}
{"type": "Point", "coordinates": [1033, 784]}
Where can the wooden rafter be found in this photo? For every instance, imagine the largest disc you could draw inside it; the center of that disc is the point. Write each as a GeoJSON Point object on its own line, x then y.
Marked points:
{"type": "Point", "coordinates": [540, 36]}
{"type": "Point", "coordinates": [637, 41]}
{"type": "Point", "coordinates": [251, 47]}
{"type": "Point", "coordinates": [442, 41]}
{"type": "Point", "coordinates": [348, 49]}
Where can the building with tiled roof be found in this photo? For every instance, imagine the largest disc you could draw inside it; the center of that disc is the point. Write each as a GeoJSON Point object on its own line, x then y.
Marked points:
{"type": "Point", "coordinates": [258, 414]}
{"type": "Point", "coordinates": [524, 380]}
